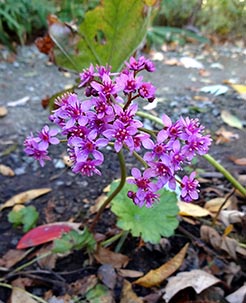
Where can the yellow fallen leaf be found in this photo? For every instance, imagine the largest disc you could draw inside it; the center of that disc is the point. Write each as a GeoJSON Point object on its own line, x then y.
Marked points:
{"type": "Point", "coordinates": [231, 120]}
{"type": "Point", "coordinates": [214, 205]}
{"type": "Point", "coordinates": [6, 171]}
{"type": "Point", "coordinates": [25, 197]}
{"type": "Point", "coordinates": [128, 295]}
{"type": "Point", "coordinates": [189, 209]}
{"type": "Point", "coordinates": [240, 89]}
{"type": "Point", "coordinates": [157, 276]}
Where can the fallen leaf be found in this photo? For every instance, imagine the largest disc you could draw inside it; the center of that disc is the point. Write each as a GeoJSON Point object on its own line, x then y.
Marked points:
{"type": "Point", "coordinates": [48, 262]}
{"type": "Point", "coordinates": [231, 120]}
{"type": "Point", "coordinates": [225, 136]}
{"type": "Point", "coordinates": [215, 89]}
{"type": "Point", "coordinates": [67, 161]}
{"type": "Point", "coordinates": [198, 279]}
{"type": "Point", "coordinates": [172, 62]}
{"type": "Point", "coordinates": [82, 286]}
{"type": "Point", "coordinates": [106, 273]}
{"type": "Point", "coordinates": [231, 217]}
{"type": "Point", "coordinates": [45, 233]}
{"type": "Point", "coordinates": [221, 243]}
{"type": "Point", "coordinates": [238, 296]}
{"type": "Point", "coordinates": [238, 161]}
{"type": "Point", "coordinates": [217, 65]}
{"type": "Point", "coordinates": [3, 111]}
{"type": "Point", "coordinates": [188, 62]}
{"type": "Point", "coordinates": [106, 256]}
{"type": "Point", "coordinates": [157, 276]}
{"type": "Point", "coordinates": [215, 204]}
{"type": "Point", "coordinates": [19, 295]}
{"type": "Point", "coordinates": [240, 89]}
{"type": "Point", "coordinates": [12, 257]}
{"type": "Point", "coordinates": [128, 295]}
{"type": "Point", "coordinates": [25, 196]}
{"type": "Point", "coordinates": [157, 56]}
{"type": "Point", "coordinates": [6, 171]}
{"type": "Point", "coordinates": [129, 273]}
{"type": "Point", "coordinates": [189, 209]}
{"type": "Point", "coordinates": [19, 102]}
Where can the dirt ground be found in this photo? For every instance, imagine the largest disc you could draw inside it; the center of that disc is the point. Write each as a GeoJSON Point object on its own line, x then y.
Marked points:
{"type": "Point", "coordinates": [30, 78]}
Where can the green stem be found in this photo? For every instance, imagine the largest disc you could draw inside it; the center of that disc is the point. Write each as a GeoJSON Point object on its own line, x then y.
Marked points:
{"type": "Point", "coordinates": [208, 157]}
{"type": "Point", "coordinates": [122, 240]}
{"type": "Point", "coordinates": [23, 290]}
{"type": "Point", "coordinates": [115, 192]}
{"type": "Point", "coordinates": [226, 174]}
{"type": "Point", "coordinates": [112, 239]}
{"type": "Point", "coordinates": [140, 159]}
{"type": "Point", "coordinates": [32, 261]}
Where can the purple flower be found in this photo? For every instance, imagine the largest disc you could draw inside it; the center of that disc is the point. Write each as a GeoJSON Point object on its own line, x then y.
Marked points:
{"type": "Point", "coordinates": [139, 140]}
{"type": "Point", "coordinates": [47, 137]}
{"type": "Point", "coordinates": [173, 130]}
{"type": "Point", "coordinates": [102, 107]}
{"type": "Point", "coordinates": [126, 116]}
{"type": "Point", "coordinates": [147, 90]}
{"type": "Point", "coordinates": [163, 171]}
{"type": "Point", "coordinates": [189, 186]}
{"type": "Point", "coordinates": [83, 148]}
{"type": "Point", "coordinates": [87, 168]}
{"type": "Point", "coordinates": [33, 149]}
{"type": "Point", "coordinates": [158, 149]}
{"type": "Point", "coordinates": [128, 82]}
{"type": "Point", "coordinates": [107, 87]}
{"type": "Point", "coordinates": [122, 135]}
{"type": "Point", "coordinates": [196, 144]}
{"type": "Point", "coordinates": [87, 76]}
{"type": "Point", "coordinates": [142, 182]}
{"type": "Point", "coordinates": [176, 155]}
{"type": "Point", "coordinates": [140, 64]}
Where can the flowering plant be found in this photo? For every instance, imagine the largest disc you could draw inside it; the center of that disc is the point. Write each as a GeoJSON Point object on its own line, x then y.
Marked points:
{"type": "Point", "coordinates": [108, 116]}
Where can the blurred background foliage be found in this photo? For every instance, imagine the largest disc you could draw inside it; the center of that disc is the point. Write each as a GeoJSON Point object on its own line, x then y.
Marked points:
{"type": "Point", "coordinates": [23, 20]}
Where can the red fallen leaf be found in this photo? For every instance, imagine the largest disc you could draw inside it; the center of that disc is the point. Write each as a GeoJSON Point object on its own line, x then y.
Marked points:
{"type": "Point", "coordinates": [45, 233]}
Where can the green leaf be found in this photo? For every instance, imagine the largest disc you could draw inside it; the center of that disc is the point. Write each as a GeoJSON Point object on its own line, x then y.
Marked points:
{"type": "Point", "coordinates": [231, 120]}
{"type": "Point", "coordinates": [74, 240]}
{"type": "Point", "coordinates": [109, 34]}
{"type": "Point", "coordinates": [28, 216]}
{"type": "Point", "coordinates": [149, 223]}
{"type": "Point", "coordinates": [99, 294]}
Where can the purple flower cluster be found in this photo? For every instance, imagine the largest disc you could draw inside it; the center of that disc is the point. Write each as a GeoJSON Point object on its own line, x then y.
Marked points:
{"type": "Point", "coordinates": [108, 116]}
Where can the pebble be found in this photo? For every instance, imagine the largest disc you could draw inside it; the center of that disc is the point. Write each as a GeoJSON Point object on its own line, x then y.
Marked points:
{"type": "Point", "coordinates": [20, 171]}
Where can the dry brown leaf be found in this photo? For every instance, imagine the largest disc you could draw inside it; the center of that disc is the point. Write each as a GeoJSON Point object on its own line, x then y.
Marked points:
{"type": "Point", "coordinates": [221, 243]}
{"type": "Point", "coordinates": [106, 273]}
{"type": "Point", "coordinates": [240, 161]}
{"type": "Point", "coordinates": [198, 279]}
{"type": "Point", "coordinates": [157, 276]}
{"type": "Point", "coordinates": [128, 273]}
{"type": "Point", "coordinates": [3, 111]}
{"type": "Point", "coordinates": [128, 295]}
{"type": "Point", "coordinates": [25, 197]}
{"type": "Point", "coordinates": [67, 160]}
{"type": "Point", "coordinates": [82, 286]}
{"type": "Point", "coordinates": [189, 209]}
{"type": "Point", "coordinates": [6, 171]}
{"type": "Point", "coordinates": [225, 136]}
{"type": "Point", "coordinates": [12, 257]}
{"type": "Point", "coordinates": [19, 295]}
{"type": "Point", "coordinates": [211, 236]}
{"type": "Point", "coordinates": [48, 262]}
{"type": "Point", "coordinates": [106, 256]}
{"type": "Point", "coordinates": [214, 205]}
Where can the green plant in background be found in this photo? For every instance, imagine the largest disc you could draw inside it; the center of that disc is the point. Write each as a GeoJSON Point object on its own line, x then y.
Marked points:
{"type": "Point", "coordinates": [26, 216]}
{"type": "Point", "coordinates": [223, 17]}
{"type": "Point", "coordinates": [75, 10]}
{"type": "Point", "coordinates": [20, 19]}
